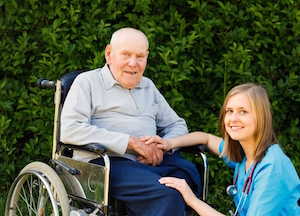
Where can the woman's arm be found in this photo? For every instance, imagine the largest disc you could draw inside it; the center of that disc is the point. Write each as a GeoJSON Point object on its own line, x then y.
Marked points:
{"type": "Point", "coordinates": [193, 138]}
{"type": "Point", "coordinates": [199, 206]}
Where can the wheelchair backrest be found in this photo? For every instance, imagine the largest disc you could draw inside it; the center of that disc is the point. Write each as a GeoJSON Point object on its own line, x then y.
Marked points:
{"type": "Point", "coordinates": [66, 82]}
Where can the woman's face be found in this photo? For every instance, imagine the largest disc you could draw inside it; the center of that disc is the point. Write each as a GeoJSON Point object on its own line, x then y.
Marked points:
{"type": "Point", "coordinates": [239, 119]}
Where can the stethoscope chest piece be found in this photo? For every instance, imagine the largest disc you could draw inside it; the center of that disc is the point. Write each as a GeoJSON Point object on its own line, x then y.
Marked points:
{"type": "Point", "coordinates": [231, 190]}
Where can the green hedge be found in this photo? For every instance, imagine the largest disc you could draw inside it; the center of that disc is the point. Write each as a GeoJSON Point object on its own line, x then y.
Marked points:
{"type": "Point", "coordinates": [198, 51]}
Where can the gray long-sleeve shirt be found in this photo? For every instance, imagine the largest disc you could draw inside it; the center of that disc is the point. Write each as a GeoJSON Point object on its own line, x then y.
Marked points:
{"type": "Point", "coordinates": [99, 110]}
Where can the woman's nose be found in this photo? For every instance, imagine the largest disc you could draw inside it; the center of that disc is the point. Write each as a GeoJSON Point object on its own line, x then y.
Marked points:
{"type": "Point", "coordinates": [234, 116]}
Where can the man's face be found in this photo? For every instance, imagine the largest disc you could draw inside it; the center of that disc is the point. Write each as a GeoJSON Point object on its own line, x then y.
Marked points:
{"type": "Point", "coordinates": [127, 59]}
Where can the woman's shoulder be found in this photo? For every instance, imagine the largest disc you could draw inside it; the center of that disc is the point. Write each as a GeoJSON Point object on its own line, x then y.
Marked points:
{"type": "Point", "coordinates": [274, 153]}
{"type": "Point", "coordinates": [277, 162]}
{"type": "Point", "coordinates": [274, 161]}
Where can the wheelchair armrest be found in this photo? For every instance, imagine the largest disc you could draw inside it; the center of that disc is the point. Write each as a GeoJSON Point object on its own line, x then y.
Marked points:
{"type": "Point", "coordinates": [203, 168]}
{"type": "Point", "coordinates": [195, 149]}
{"type": "Point", "coordinates": [93, 147]}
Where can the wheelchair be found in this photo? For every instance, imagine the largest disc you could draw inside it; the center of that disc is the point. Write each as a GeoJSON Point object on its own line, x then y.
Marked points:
{"type": "Point", "coordinates": [69, 187]}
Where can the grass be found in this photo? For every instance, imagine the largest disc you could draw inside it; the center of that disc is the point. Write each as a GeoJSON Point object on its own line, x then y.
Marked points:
{"type": "Point", "coordinates": [3, 196]}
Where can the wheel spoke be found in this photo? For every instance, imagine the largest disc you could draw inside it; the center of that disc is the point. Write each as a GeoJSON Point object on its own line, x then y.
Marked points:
{"type": "Point", "coordinates": [37, 191]}
{"type": "Point", "coordinates": [27, 204]}
{"type": "Point", "coordinates": [42, 200]}
{"type": "Point", "coordinates": [19, 210]}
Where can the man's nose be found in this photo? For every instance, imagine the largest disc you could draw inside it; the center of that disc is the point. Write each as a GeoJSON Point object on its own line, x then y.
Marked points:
{"type": "Point", "coordinates": [132, 62]}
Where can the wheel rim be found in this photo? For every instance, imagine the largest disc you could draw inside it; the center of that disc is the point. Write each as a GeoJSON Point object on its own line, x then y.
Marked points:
{"type": "Point", "coordinates": [33, 195]}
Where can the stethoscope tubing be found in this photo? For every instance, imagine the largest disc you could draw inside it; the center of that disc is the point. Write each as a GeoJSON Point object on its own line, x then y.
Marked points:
{"type": "Point", "coordinates": [245, 191]}
{"type": "Point", "coordinates": [244, 201]}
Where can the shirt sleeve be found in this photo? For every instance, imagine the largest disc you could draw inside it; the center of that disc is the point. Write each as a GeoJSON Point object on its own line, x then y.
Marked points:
{"type": "Point", "coordinates": [168, 123]}
{"type": "Point", "coordinates": [270, 192]}
{"type": "Point", "coordinates": [230, 164]}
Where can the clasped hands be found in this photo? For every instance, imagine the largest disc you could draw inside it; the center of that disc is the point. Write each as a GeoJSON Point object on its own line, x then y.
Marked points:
{"type": "Point", "coordinates": [151, 149]}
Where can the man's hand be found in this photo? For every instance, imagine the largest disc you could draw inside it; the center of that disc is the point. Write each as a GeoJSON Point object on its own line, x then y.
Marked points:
{"type": "Point", "coordinates": [149, 154]}
{"type": "Point", "coordinates": [161, 143]}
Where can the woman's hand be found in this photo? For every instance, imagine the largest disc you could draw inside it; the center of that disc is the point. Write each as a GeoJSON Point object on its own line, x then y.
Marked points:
{"type": "Point", "coordinates": [182, 186]}
{"type": "Point", "coordinates": [189, 197]}
{"type": "Point", "coordinates": [163, 144]}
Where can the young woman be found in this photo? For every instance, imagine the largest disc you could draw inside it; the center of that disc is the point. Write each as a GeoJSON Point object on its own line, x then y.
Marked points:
{"type": "Point", "coordinates": [265, 180]}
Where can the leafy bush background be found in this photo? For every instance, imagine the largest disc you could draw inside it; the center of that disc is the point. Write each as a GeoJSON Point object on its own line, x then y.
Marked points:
{"type": "Point", "coordinates": [198, 51]}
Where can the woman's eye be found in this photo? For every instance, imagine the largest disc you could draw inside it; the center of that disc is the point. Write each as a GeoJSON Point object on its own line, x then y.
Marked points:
{"type": "Point", "coordinates": [243, 111]}
{"type": "Point", "coordinates": [228, 111]}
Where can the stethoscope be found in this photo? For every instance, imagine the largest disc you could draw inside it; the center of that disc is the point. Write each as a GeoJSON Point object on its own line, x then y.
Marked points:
{"type": "Point", "coordinates": [232, 190]}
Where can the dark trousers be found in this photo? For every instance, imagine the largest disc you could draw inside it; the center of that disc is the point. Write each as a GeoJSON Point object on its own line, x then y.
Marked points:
{"type": "Point", "coordinates": [137, 185]}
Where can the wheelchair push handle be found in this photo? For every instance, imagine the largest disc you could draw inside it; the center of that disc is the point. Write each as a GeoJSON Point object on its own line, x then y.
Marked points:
{"type": "Point", "coordinates": [43, 83]}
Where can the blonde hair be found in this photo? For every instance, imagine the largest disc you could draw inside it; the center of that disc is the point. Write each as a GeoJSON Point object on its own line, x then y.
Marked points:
{"type": "Point", "coordinates": [264, 135]}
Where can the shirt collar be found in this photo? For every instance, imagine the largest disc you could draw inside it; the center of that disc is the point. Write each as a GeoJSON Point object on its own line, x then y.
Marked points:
{"type": "Point", "coordinates": [109, 80]}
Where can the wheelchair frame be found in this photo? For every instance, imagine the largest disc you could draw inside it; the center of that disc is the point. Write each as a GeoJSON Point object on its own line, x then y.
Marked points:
{"type": "Point", "coordinates": [58, 183]}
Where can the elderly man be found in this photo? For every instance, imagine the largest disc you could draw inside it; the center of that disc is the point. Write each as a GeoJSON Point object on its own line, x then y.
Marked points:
{"type": "Point", "coordinates": [114, 106]}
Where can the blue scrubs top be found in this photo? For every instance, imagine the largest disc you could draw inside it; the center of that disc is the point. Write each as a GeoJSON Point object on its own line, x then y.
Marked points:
{"type": "Point", "coordinates": [275, 187]}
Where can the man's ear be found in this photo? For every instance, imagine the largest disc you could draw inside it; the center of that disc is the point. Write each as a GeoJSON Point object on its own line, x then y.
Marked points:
{"type": "Point", "coordinates": [108, 53]}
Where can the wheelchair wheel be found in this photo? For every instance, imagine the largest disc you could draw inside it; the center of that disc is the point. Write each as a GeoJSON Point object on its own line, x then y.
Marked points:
{"type": "Point", "coordinates": [37, 190]}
